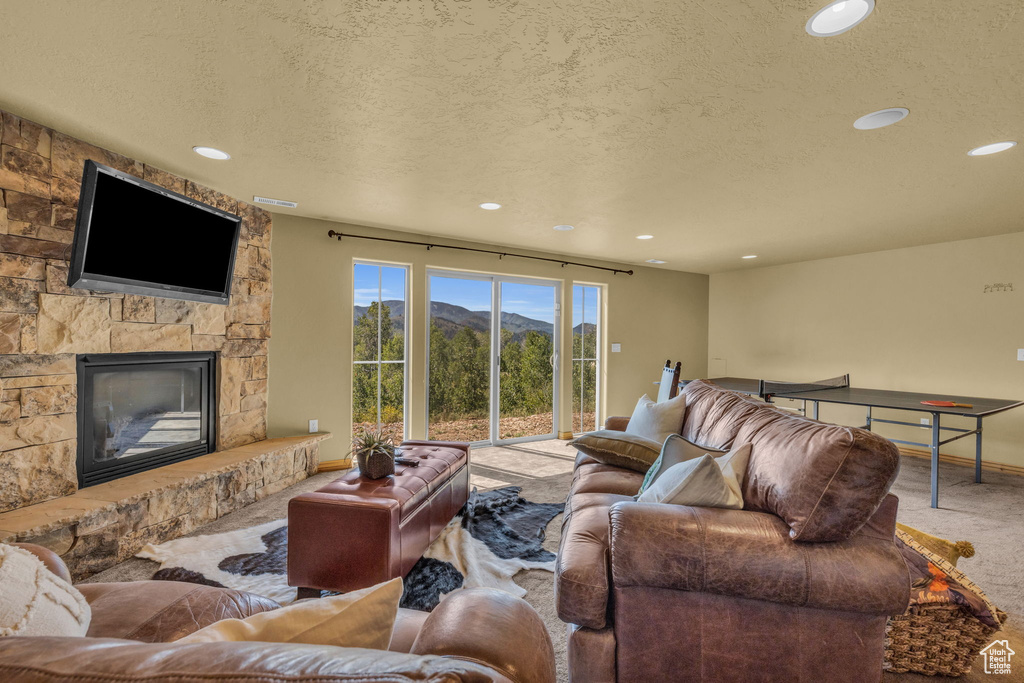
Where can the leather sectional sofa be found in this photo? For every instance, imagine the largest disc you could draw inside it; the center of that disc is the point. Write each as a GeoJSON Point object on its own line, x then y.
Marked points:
{"type": "Point", "coordinates": [797, 586]}
{"type": "Point", "coordinates": [475, 635]}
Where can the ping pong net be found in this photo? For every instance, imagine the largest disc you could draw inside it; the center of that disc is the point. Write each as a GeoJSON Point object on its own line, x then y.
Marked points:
{"type": "Point", "coordinates": [768, 388]}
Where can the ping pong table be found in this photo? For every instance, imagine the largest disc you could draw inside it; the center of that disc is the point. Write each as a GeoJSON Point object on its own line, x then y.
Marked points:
{"type": "Point", "coordinates": [838, 390]}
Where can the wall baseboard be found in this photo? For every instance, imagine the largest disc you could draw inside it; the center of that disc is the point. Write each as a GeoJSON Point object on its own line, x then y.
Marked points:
{"type": "Point", "coordinates": [335, 465]}
{"type": "Point", "coordinates": [964, 461]}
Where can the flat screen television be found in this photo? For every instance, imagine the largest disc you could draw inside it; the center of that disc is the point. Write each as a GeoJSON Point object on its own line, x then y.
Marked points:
{"type": "Point", "coordinates": [136, 237]}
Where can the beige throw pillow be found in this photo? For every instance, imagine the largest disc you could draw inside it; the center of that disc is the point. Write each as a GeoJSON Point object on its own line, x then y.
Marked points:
{"type": "Point", "coordinates": [675, 450]}
{"type": "Point", "coordinates": [362, 618]}
{"type": "Point", "coordinates": [613, 447]}
{"type": "Point", "coordinates": [36, 602]}
{"type": "Point", "coordinates": [656, 421]}
{"type": "Point", "coordinates": [702, 482]}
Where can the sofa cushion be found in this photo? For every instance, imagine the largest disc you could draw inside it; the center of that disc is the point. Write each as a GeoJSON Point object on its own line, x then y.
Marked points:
{"type": "Point", "coordinates": [34, 601]}
{"type": "Point", "coordinates": [162, 611]}
{"type": "Point", "coordinates": [675, 450]}
{"type": "Point", "coordinates": [656, 421]}
{"type": "Point", "coordinates": [824, 480]}
{"type": "Point", "coordinates": [619, 448]}
{"type": "Point", "coordinates": [361, 618]}
{"type": "Point", "coordinates": [714, 415]}
{"type": "Point", "coordinates": [704, 481]}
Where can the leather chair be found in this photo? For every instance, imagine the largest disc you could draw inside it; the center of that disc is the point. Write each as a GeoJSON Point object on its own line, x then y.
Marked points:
{"type": "Point", "coordinates": [473, 635]}
{"type": "Point", "coordinates": [795, 587]}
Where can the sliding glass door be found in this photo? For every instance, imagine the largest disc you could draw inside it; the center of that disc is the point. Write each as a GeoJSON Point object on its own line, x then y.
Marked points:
{"type": "Point", "coordinates": [459, 366]}
{"type": "Point", "coordinates": [526, 360]}
{"type": "Point", "coordinates": [492, 377]}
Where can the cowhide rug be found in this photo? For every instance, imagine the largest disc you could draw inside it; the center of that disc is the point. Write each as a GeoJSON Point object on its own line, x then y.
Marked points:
{"type": "Point", "coordinates": [495, 536]}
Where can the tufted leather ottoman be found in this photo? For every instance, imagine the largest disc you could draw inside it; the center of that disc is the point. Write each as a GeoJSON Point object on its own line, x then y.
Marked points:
{"type": "Point", "coordinates": [357, 532]}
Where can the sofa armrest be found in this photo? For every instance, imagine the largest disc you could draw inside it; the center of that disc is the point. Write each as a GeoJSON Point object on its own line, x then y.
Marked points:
{"type": "Point", "coordinates": [492, 628]}
{"type": "Point", "coordinates": [750, 555]}
{"type": "Point", "coordinates": [616, 423]}
{"type": "Point", "coordinates": [50, 559]}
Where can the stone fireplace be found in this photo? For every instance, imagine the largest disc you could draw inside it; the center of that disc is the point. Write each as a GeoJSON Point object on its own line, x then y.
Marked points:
{"type": "Point", "coordinates": [45, 326]}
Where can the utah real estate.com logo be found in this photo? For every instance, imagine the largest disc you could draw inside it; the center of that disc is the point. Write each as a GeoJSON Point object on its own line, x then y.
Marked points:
{"type": "Point", "coordinates": [997, 657]}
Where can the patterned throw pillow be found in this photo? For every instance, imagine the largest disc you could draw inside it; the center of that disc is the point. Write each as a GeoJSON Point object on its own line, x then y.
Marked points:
{"type": "Point", "coordinates": [36, 602]}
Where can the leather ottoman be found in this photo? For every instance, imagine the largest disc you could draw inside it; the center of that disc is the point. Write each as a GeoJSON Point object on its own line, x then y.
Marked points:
{"type": "Point", "coordinates": [357, 532]}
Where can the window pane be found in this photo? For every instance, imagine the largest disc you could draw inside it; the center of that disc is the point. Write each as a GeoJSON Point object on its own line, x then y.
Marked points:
{"type": "Point", "coordinates": [143, 410]}
{"type": "Point", "coordinates": [588, 399]}
{"type": "Point", "coordinates": [526, 383]}
{"type": "Point", "coordinates": [460, 359]}
{"type": "Point", "coordinates": [366, 307]}
{"type": "Point", "coordinates": [364, 396]}
{"type": "Point", "coordinates": [393, 317]}
{"type": "Point", "coordinates": [392, 399]}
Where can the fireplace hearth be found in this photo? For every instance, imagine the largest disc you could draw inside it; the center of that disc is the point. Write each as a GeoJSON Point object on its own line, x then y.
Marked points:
{"type": "Point", "coordinates": [137, 411]}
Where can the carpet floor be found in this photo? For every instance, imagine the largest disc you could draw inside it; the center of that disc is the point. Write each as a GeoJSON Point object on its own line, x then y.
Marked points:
{"type": "Point", "coordinates": [988, 515]}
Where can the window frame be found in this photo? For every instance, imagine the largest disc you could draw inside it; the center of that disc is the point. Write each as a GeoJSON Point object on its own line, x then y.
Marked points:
{"type": "Point", "coordinates": [598, 351]}
{"type": "Point", "coordinates": [379, 361]}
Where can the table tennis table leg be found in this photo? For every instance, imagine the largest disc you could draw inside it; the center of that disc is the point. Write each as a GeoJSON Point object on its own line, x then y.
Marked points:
{"type": "Point", "coordinates": [977, 454]}
{"type": "Point", "coordinates": [815, 410]}
{"type": "Point", "coordinates": [935, 459]}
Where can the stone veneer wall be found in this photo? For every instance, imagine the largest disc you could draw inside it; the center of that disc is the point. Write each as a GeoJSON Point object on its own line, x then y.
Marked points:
{"type": "Point", "coordinates": [43, 323]}
{"type": "Point", "coordinates": [102, 525]}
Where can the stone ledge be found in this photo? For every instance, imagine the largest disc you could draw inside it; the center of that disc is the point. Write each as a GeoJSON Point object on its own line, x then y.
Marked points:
{"type": "Point", "coordinates": [101, 525]}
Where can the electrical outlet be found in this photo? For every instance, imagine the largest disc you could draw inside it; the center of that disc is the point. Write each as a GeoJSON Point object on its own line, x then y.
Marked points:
{"type": "Point", "coordinates": [616, 348]}
{"type": "Point", "coordinates": [314, 426]}
{"type": "Point", "coordinates": [1020, 354]}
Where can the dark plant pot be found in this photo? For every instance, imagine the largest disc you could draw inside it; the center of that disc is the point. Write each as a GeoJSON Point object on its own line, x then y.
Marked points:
{"type": "Point", "coordinates": [375, 465]}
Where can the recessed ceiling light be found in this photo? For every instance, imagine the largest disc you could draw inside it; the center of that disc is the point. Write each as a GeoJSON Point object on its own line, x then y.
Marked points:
{"type": "Point", "coordinates": [992, 149]}
{"type": "Point", "coordinates": [839, 17]}
{"type": "Point", "coordinates": [654, 260]}
{"type": "Point", "coordinates": [645, 237]}
{"type": "Point", "coordinates": [750, 256]}
{"type": "Point", "coordinates": [881, 118]}
{"type": "Point", "coordinates": [565, 228]}
{"type": "Point", "coordinates": [210, 153]}
{"type": "Point", "coordinates": [490, 206]}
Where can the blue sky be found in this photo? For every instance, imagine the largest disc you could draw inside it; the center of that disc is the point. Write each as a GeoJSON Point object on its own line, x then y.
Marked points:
{"type": "Point", "coordinates": [532, 301]}
{"type": "Point", "coordinates": [366, 284]}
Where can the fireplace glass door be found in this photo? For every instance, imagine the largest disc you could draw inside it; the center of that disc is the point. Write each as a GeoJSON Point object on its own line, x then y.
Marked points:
{"type": "Point", "coordinates": [138, 413]}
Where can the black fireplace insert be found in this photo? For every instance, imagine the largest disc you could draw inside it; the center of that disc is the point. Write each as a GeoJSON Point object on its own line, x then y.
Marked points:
{"type": "Point", "coordinates": [137, 411]}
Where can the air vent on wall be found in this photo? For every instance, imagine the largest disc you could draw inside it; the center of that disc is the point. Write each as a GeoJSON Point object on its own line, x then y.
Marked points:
{"type": "Point", "coordinates": [274, 202]}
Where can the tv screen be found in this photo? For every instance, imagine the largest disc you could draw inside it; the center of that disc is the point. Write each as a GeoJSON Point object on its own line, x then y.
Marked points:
{"type": "Point", "coordinates": [134, 236]}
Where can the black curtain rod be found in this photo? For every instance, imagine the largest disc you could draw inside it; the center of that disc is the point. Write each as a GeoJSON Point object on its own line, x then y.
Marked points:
{"type": "Point", "coordinates": [499, 254]}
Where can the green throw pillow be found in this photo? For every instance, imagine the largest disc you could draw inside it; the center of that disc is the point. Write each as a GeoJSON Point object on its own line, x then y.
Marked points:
{"type": "Point", "coordinates": [617, 448]}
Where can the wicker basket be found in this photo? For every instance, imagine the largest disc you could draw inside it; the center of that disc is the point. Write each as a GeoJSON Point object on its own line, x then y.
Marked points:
{"type": "Point", "coordinates": [375, 465]}
{"type": "Point", "coordinates": [937, 639]}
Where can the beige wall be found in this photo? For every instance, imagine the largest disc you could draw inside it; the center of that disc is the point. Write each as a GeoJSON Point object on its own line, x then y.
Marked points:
{"type": "Point", "coordinates": [655, 314]}
{"type": "Point", "coordinates": [909, 319]}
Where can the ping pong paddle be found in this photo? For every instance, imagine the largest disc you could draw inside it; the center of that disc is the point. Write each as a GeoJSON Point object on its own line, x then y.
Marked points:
{"type": "Point", "coordinates": [946, 404]}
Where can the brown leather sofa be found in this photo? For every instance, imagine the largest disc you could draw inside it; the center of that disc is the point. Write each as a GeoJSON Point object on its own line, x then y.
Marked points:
{"type": "Point", "coordinates": [795, 587]}
{"type": "Point", "coordinates": [475, 635]}
{"type": "Point", "coordinates": [357, 532]}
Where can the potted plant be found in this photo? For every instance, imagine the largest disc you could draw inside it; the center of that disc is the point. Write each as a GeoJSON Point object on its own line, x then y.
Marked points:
{"type": "Point", "coordinates": [375, 453]}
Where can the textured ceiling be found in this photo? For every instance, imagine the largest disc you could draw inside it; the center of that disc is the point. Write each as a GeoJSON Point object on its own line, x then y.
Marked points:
{"type": "Point", "coordinates": [719, 126]}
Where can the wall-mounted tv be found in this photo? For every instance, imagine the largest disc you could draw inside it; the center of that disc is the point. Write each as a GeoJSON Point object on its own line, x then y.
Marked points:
{"type": "Point", "coordinates": [136, 237]}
